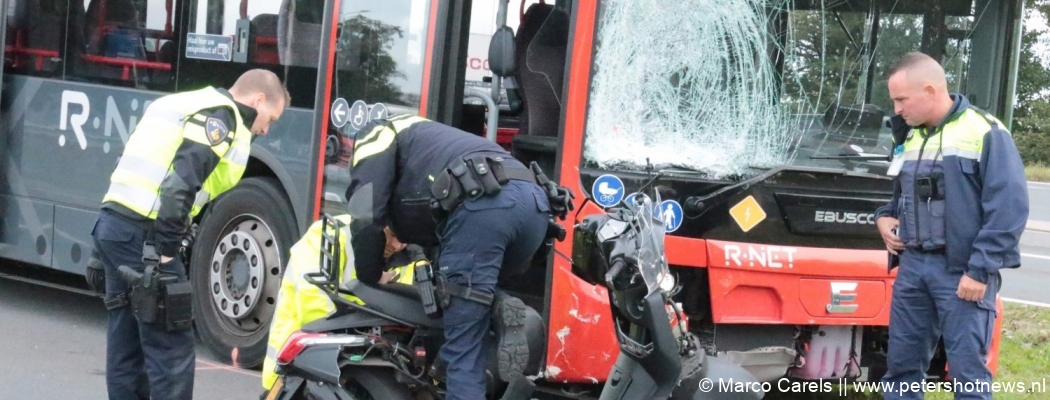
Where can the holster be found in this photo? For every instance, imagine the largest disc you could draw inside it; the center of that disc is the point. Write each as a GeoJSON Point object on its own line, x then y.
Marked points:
{"type": "Point", "coordinates": [165, 301]}
{"type": "Point", "coordinates": [424, 282]}
{"type": "Point", "coordinates": [435, 291]}
{"type": "Point", "coordinates": [145, 298]}
{"type": "Point", "coordinates": [158, 297]}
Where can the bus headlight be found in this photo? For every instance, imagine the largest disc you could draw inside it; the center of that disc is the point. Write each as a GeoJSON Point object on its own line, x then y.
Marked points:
{"type": "Point", "coordinates": [668, 282]}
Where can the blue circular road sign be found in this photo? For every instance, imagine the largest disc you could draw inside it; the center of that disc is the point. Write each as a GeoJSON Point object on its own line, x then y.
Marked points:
{"type": "Point", "coordinates": [607, 190]}
{"type": "Point", "coordinates": [672, 215]}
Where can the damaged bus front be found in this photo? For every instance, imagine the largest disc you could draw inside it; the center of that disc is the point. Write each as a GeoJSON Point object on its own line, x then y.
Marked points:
{"type": "Point", "coordinates": [764, 125]}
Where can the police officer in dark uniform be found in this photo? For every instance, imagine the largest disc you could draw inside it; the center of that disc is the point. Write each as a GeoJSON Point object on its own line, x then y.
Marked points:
{"type": "Point", "coordinates": [186, 150]}
{"type": "Point", "coordinates": [959, 207]}
{"type": "Point", "coordinates": [492, 215]}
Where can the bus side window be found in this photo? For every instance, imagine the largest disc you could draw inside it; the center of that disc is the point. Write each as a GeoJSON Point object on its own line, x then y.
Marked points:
{"type": "Point", "coordinates": [125, 44]}
{"type": "Point", "coordinates": [210, 56]}
{"type": "Point", "coordinates": [35, 36]}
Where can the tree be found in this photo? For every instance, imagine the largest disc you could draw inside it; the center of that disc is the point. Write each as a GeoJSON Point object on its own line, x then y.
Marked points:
{"type": "Point", "coordinates": [1031, 123]}
{"type": "Point", "coordinates": [366, 68]}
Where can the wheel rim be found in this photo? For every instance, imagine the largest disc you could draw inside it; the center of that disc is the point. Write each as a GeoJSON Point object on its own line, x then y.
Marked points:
{"type": "Point", "coordinates": [243, 274]}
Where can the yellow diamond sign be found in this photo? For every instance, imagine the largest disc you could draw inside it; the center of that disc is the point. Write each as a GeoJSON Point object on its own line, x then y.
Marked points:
{"type": "Point", "coordinates": [747, 213]}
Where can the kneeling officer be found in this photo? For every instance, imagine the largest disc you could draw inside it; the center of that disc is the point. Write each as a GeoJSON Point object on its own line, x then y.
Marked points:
{"type": "Point", "coordinates": [300, 302]}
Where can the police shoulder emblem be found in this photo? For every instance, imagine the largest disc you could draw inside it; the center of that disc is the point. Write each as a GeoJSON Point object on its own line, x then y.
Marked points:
{"type": "Point", "coordinates": [216, 130]}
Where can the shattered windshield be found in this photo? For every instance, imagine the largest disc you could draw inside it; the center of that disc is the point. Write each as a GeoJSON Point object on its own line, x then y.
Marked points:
{"type": "Point", "coordinates": [732, 88]}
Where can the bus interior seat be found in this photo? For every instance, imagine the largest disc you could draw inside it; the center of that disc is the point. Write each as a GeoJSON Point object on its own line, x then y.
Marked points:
{"type": "Point", "coordinates": [530, 25]}
{"type": "Point", "coordinates": [15, 17]}
{"type": "Point", "coordinates": [124, 43]}
{"type": "Point", "coordinates": [38, 27]}
{"type": "Point", "coordinates": [104, 16]}
{"type": "Point", "coordinates": [298, 42]}
{"type": "Point", "coordinates": [167, 53]}
{"type": "Point", "coordinates": [264, 39]}
{"type": "Point", "coordinates": [112, 30]}
{"type": "Point", "coordinates": [540, 50]}
{"type": "Point", "coordinates": [542, 43]}
{"type": "Point", "coordinates": [543, 73]}
{"type": "Point", "coordinates": [502, 63]}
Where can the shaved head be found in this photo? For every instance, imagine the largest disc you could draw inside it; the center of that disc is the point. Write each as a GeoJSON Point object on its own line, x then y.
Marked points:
{"type": "Point", "coordinates": [921, 69]}
{"type": "Point", "coordinates": [919, 90]}
{"type": "Point", "coordinates": [261, 81]}
{"type": "Point", "coordinates": [262, 90]}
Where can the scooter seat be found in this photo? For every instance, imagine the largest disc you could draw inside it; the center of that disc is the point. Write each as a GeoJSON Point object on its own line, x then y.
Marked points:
{"type": "Point", "coordinates": [351, 320]}
{"type": "Point", "coordinates": [407, 291]}
{"type": "Point", "coordinates": [396, 300]}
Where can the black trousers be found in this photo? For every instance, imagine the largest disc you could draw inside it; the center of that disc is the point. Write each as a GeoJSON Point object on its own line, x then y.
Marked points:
{"type": "Point", "coordinates": [143, 361]}
{"type": "Point", "coordinates": [480, 238]}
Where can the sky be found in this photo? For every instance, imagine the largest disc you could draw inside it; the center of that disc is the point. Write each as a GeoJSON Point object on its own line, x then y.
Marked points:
{"type": "Point", "coordinates": [1037, 21]}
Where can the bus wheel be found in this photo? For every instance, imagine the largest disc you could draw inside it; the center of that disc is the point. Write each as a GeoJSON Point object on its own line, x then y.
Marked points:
{"type": "Point", "coordinates": [236, 269]}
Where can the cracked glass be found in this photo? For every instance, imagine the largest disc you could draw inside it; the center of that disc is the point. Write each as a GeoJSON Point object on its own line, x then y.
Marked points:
{"type": "Point", "coordinates": [729, 89]}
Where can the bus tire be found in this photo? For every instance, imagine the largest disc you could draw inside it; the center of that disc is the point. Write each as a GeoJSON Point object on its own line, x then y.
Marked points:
{"type": "Point", "coordinates": [236, 268]}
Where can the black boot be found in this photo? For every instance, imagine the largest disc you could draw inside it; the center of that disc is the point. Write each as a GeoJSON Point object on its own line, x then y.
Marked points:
{"type": "Point", "coordinates": [509, 315]}
{"type": "Point", "coordinates": [509, 324]}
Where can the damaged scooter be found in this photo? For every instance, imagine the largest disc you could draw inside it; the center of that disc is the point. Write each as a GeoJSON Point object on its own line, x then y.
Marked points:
{"type": "Point", "coordinates": [387, 348]}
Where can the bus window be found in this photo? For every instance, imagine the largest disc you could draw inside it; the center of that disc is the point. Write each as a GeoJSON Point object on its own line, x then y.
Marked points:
{"type": "Point", "coordinates": [36, 34]}
{"type": "Point", "coordinates": [126, 43]}
{"type": "Point", "coordinates": [283, 36]}
{"type": "Point", "coordinates": [379, 52]}
{"type": "Point", "coordinates": [379, 72]}
{"type": "Point", "coordinates": [739, 93]}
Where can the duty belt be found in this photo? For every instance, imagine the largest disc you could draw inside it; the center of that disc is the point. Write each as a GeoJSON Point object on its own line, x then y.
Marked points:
{"type": "Point", "coordinates": [474, 177]}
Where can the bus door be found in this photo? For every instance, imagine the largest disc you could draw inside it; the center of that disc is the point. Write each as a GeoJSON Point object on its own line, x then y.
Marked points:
{"type": "Point", "coordinates": [375, 64]}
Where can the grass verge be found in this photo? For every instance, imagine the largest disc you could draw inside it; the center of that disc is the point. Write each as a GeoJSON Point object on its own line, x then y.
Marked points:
{"type": "Point", "coordinates": [1037, 172]}
{"type": "Point", "coordinates": [1024, 357]}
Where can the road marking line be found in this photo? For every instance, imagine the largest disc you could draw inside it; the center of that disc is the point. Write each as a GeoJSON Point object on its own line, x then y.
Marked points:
{"type": "Point", "coordinates": [229, 368]}
{"type": "Point", "coordinates": [1035, 256]}
{"type": "Point", "coordinates": [1026, 302]}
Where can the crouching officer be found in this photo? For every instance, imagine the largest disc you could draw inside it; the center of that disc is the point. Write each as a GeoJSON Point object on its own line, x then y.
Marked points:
{"type": "Point", "coordinates": [300, 302]}
{"type": "Point", "coordinates": [493, 216]}
{"type": "Point", "coordinates": [956, 160]}
{"type": "Point", "coordinates": [186, 150]}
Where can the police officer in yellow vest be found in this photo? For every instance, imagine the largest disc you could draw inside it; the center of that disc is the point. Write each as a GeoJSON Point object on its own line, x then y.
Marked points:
{"type": "Point", "coordinates": [959, 207]}
{"type": "Point", "coordinates": [299, 302]}
{"type": "Point", "coordinates": [186, 150]}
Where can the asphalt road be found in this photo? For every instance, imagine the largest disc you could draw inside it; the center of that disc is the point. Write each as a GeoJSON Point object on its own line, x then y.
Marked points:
{"type": "Point", "coordinates": [1039, 201]}
{"type": "Point", "coordinates": [1030, 282]}
{"type": "Point", "coordinates": [53, 347]}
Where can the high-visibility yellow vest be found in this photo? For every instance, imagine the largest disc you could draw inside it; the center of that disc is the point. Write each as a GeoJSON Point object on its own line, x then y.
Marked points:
{"type": "Point", "coordinates": [962, 137]}
{"type": "Point", "coordinates": [150, 150]}
{"type": "Point", "coordinates": [299, 302]}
